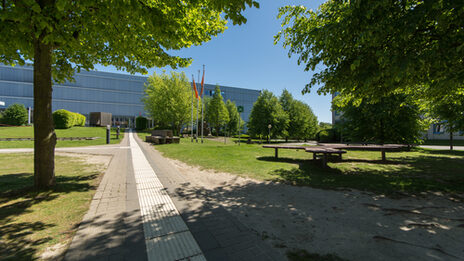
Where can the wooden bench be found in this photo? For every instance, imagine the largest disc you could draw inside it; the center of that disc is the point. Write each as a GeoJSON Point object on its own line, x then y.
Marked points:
{"type": "Point", "coordinates": [325, 153]}
{"type": "Point", "coordinates": [277, 147]}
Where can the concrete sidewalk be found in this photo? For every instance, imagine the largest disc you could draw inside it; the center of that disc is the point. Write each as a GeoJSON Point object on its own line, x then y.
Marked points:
{"type": "Point", "coordinates": [440, 147]}
{"type": "Point", "coordinates": [112, 228]}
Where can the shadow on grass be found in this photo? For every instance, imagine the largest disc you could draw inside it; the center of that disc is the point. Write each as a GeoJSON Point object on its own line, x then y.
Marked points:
{"type": "Point", "coordinates": [398, 175]}
{"type": "Point", "coordinates": [18, 197]}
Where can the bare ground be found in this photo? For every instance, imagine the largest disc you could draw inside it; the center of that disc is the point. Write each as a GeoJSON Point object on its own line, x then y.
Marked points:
{"type": "Point", "coordinates": [351, 224]}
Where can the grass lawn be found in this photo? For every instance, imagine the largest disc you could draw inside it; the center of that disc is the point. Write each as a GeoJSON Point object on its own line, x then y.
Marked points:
{"type": "Point", "coordinates": [28, 132]}
{"type": "Point", "coordinates": [416, 171]}
{"type": "Point", "coordinates": [32, 221]}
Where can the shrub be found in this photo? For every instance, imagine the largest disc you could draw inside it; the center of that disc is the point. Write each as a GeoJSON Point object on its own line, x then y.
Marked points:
{"type": "Point", "coordinates": [328, 135]}
{"type": "Point", "coordinates": [63, 119]}
{"type": "Point", "coordinates": [79, 119]}
{"type": "Point", "coordinates": [141, 123]}
{"type": "Point", "coordinates": [15, 114]}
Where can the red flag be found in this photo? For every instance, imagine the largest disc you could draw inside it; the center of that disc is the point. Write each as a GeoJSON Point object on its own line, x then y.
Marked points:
{"type": "Point", "coordinates": [195, 87]}
{"type": "Point", "coordinates": [202, 82]}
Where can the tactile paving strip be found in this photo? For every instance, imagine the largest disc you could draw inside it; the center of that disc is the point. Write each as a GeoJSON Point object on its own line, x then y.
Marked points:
{"type": "Point", "coordinates": [167, 237]}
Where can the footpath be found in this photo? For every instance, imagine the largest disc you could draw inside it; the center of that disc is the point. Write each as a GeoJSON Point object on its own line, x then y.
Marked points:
{"type": "Point", "coordinates": [137, 214]}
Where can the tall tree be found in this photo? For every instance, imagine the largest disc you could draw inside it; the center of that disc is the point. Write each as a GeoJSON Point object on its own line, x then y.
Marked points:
{"type": "Point", "coordinates": [61, 36]}
{"type": "Point", "coordinates": [234, 118]}
{"type": "Point", "coordinates": [302, 121]}
{"type": "Point", "coordinates": [377, 48]}
{"type": "Point", "coordinates": [449, 111]}
{"type": "Point", "coordinates": [392, 119]}
{"type": "Point", "coordinates": [267, 110]}
{"type": "Point", "coordinates": [216, 113]}
{"type": "Point", "coordinates": [168, 99]}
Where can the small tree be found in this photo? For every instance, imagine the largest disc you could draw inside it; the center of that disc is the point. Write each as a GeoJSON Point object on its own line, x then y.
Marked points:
{"type": "Point", "coordinates": [141, 123]}
{"type": "Point", "coordinates": [217, 113]}
{"type": "Point", "coordinates": [168, 100]}
{"type": "Point", "coordinates": [449, 111]}
{"type": "Point", "coordinates": [234, 118]}
{"type": "Point", "coordinates": [15, 114]}
{"type": "Point", "coordinates": [267, 110]}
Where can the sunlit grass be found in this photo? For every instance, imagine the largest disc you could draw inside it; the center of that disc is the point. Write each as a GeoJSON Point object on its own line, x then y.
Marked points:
{"type": "Point", "coordinates": [414, 171]}
{"type": "Point", "coordinates": [28, 132]}
{"type": "Point", "coordinates": [31, 221]}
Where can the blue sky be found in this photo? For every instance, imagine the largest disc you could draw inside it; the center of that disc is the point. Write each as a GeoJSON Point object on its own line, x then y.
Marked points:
{"type": "Point", "coordinates": [245, 56]}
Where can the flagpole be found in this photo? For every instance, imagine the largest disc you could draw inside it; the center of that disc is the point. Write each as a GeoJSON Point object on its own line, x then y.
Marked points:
{"type": "Point", "coordinates": [198, 106]}
{"type": "Point", "coordinates": [202, 104]}
{"type": "Point", "coordinates": [192, 116]}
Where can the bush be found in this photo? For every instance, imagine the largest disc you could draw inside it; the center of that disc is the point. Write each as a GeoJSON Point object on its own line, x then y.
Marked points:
{"type": "Point", "coordinates": [15, 114]}
{"type": "Point", "coordinates": [63, 119]}
{"type": "Point", "coordinates": [79, 119]}
{"type": "Point", "coordinates": [328, 135]}
{"type": "Point", "coordinates": [141, 123]}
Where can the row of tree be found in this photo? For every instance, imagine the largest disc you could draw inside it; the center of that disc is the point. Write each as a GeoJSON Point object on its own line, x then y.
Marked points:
{"type": "Point", "coordinates": [169, 100]}
{"type": "Point", "coordinates": [282, 117]}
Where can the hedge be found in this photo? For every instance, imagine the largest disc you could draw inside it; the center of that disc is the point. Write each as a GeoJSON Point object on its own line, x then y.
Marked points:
{"type": "Point", "coordinates": [141, 123]}
{"type": "Point", "coordinates": [65, 119]}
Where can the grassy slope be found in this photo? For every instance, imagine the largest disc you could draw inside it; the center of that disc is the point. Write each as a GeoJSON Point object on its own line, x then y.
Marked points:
{"type": "Point", "coordinates": [31, 221]}
{"type": "Point", "coordinates": [28, 132]}
{"type": "Point", "coordinates": [415, 171]}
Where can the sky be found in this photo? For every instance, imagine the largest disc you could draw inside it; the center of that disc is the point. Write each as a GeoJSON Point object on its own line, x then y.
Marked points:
{"type": "Point", "coordinates": [245, 56]}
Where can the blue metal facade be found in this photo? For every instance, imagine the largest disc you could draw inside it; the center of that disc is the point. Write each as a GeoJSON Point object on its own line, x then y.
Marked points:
{"type": "Point", "coordinates": [119, 94]}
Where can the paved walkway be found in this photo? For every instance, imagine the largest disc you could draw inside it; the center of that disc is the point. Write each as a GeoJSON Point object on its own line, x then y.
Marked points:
{"type": "Point", "coordinates": [137, 213]}
{"type": "Point", "coordinates": [439, 147]}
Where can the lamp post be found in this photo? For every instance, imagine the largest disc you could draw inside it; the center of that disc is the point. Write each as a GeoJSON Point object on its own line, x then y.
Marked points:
{"type": "Point", "coordinates": [269, 127]}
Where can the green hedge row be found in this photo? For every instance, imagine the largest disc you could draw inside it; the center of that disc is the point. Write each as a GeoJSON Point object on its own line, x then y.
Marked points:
{"type": "Point", "coordinates": [65, 119]}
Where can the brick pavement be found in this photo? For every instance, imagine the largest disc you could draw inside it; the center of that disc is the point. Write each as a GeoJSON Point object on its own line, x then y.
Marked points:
{"type": "Point", "coordinates": [218, 233]}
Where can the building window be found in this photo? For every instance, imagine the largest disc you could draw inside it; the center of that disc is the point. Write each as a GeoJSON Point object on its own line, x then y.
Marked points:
{"type": "Point", "coordinates": [438, 129]}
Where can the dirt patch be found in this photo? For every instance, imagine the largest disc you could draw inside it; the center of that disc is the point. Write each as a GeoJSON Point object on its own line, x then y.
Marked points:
{"type": "Point", "coordinates": [351, 224]}
{"type": "Point", "coordinates": [99, 162]}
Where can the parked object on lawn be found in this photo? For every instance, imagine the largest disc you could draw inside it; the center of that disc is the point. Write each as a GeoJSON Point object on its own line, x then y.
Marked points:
{"type": "Point", "coordinates": [99, 119]}
{"type": "Point", "coordinates": [162, 137]}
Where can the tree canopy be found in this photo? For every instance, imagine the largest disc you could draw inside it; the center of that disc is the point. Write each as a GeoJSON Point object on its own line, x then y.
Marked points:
{"type": "Point", "coordinates": [267, 110]}
{"type": "Point", "coordinates": [61, 36]}
{"type": "Point", "coordinates": [216, 111]}
{"type": "Point", "coordinates": [234, 118]}
{"type": "Point", "coordinates": [168, 99]}
{"type": "Point", "coordinates": [302, 121]}
{"type": "Point", "coordinates": [377, 48]}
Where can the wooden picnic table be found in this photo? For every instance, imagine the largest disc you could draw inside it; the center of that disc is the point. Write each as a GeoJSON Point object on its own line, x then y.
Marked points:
{"type": "Point", "coordinates": [277, 147]}
{"type": "Point", "coordinates": [325, 151]}
{"type": "Point", "coordinates": [382, 148]}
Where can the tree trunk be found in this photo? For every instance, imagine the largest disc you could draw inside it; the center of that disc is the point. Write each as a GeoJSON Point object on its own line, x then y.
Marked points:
{"type": "Point", "coordinates": [44, 131]}
{"type": "Point", "coordinates": [451, 140]}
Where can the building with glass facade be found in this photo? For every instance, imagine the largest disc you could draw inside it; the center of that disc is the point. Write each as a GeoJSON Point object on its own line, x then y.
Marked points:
{"type": "Point", "coordinates": [118, 94]}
